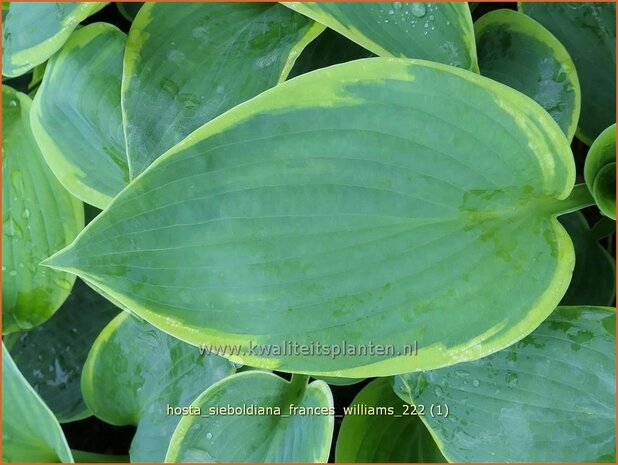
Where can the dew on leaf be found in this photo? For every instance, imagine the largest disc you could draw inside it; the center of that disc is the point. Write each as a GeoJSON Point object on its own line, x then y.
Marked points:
{"type": "Point", "coordinates": [418, 9]}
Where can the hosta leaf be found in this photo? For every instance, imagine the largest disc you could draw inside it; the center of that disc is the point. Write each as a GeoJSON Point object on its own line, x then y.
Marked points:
{"type": "Point", "coordinates": [339, 381]}
{"type": "Point", "coordinates": [51, 356]}
{"type": "Point", "coordinates": [383, 436]}
{"type": "Point", "coordinates": [76, 115]}
{"type": "Point", "coordinates": [600, 171]}
{"type": "Point", "coordinates": [549, 398]}
{"type": "Point", "coordinates": [397, 203]}
{"type": "Point", "coordinates": [291, 435]}
{"type": "Point", "coordinates": [38, 218]}
{"type": "Point", "coordinates": [129, 9]}
{"type": "Point", "coordinates": [588, 31]}
{"type": "Point", "coordinates": [329, 48]}
{"type": "Point", "coordinates": [519, 52]}
{"type": "Point", "coordinates": [440, 32]}
{"type": "Point", "coordinates": [34, 31]}
{"type": "Point", "coordinates": [30, 432]}
{"type": "Point", "coordinates": [184, 66]}
{"type": "Point", "coordinates": [134, 372]}
{"type": "Point", "coordinates": [594, 277]}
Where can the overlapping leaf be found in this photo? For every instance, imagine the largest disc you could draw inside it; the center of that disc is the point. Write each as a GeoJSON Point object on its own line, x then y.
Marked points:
{"type": "Point", "coordinates": [588, 31]}
{"type": "Point", "coordinates": [594, 276]}
{"type": "Point", "coordinates": [51, 356]}
{"type": "Point", "coordinates": [38, 218]}
{"type": "Point", "coordinates": [34, 31]}
{"type": "Point", "coordinates": [383, 201]}
{"type": "Point", "coordinates": [185, 66]}
{"type": "Point", "coordinates": [76, 115]}
{"type": "Point", "coordinates": [600, 171]}
{"type": "Point", "coordinates": [134, 372]}
{"type": "Point", "coordinates": [519, 52]}
{"type": "Point", "coordinates": [380, 429]}
{"type": "Point", "coordinates": [30, 432]}
{"type": "Point", "coordinates": [329, 48]}
{"type": "Point", "coordinates": [549, 398]}
{"type": "Point", "coordinates": [439, 32]}
{"type": "Point", "coordinates": [278, 434]}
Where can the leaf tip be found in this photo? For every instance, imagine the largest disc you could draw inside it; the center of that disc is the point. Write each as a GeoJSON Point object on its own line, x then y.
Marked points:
{"type": "Point", "coordinates": [61, 260]}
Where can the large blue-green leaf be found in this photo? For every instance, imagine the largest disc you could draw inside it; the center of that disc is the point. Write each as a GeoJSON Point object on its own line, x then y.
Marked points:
{"type": "Point", "coordinates": [370, 207]}
{"type": "Point", "coordinates": [39, 217]}
{"type": "Point", "coordinates": [519, 52]}
{"type": "Point", "coordinates": [76, 115]}
{"type": "Point", "coordinates": [34, 31]}
{"type": "Point", "coordinates": [439, 32]}
{"type": "Point", "coordinates": [588, 31]}
{"type": "Point", "coordinates": [51, 356]}
{"type": "Point", "coordinates": [600, 171]}
{"type": "Point", "coordinates": [380, 428]}
{"type": "Point", "coordinates": [549, 398]}
{"type": "Point", "coordinates": [30, 432]}
{"type": "Point", "coordinates": [134, 372]}
{"type": "Point", "coordinates": [295, 423]}
{"type": "Point", "coordinates": [186, 65]}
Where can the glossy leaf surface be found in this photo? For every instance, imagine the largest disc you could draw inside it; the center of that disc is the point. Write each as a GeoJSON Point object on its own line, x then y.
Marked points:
{"type": "Point", "coordinates": [34, 31]}
{"type": "Point", "coordinates": [439, 32]}
{"type": "Point", "coordinates": [517, 51]}
{"type": "Point", "coordinates": [366, 203]}
{"type": "Point", "coordinates": [38, 218]}
{"type": "Point", "coordinates": [51, 356]}
{"type": "Point", "coordinates": [170, 89]}
{"type": "Point", "coordinates": [134, 372]}
{"type": "Point", "coordinates": [600, 171]}
{"type": "Point", "coordinates": [588, 31]}
{"type": "Point", "coordinates": [30, 432]}
{"type": "Point", "coordinates": [269, 437]}
{"type": "Point", "coordinates": [76, 115]}
{"type": "Point", "coordinates": [548, 398]}
{"type": "Point", "coordinates": [388, 435]}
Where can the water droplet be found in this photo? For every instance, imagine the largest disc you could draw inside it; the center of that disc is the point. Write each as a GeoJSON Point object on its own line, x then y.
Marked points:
{"type": "Point", "coordinates": [431, 18]}
{"type": "Point", "coordinates": [26, 213]}
{"type": "Point", "coordinates": [175, 55]}
{"type": "Point", "coordinates": [266, 60]}
{"type": "Point", "coordinates": [208, 435]}
{"type": "Point", "coordinates": [391, 12]}
{"type": "Point", "coordinates": [397, 5]}
{"type": "Point", "coordinates": [476, 383]}
{"type": "Point", "coordinates": [418, 9]}
{"type": "Point", "coordinates": [13, 103]}
{"type": "Point", "coordinates": [21, 265]}
{"type": "Point", "coordinates": [12, 273]}
{"type": "Point", "coordinates": [4, 269]}
{"type": "Point", "coordinates": [438, 391]}
{"type": "Point", "coordinates": [462, 373]}
{"type": "Point", "coordinates": [426, 25]}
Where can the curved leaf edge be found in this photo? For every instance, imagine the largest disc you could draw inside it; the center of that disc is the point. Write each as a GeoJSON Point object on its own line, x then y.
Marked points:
{"type": "Point", "coordinates": [473, 350]}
